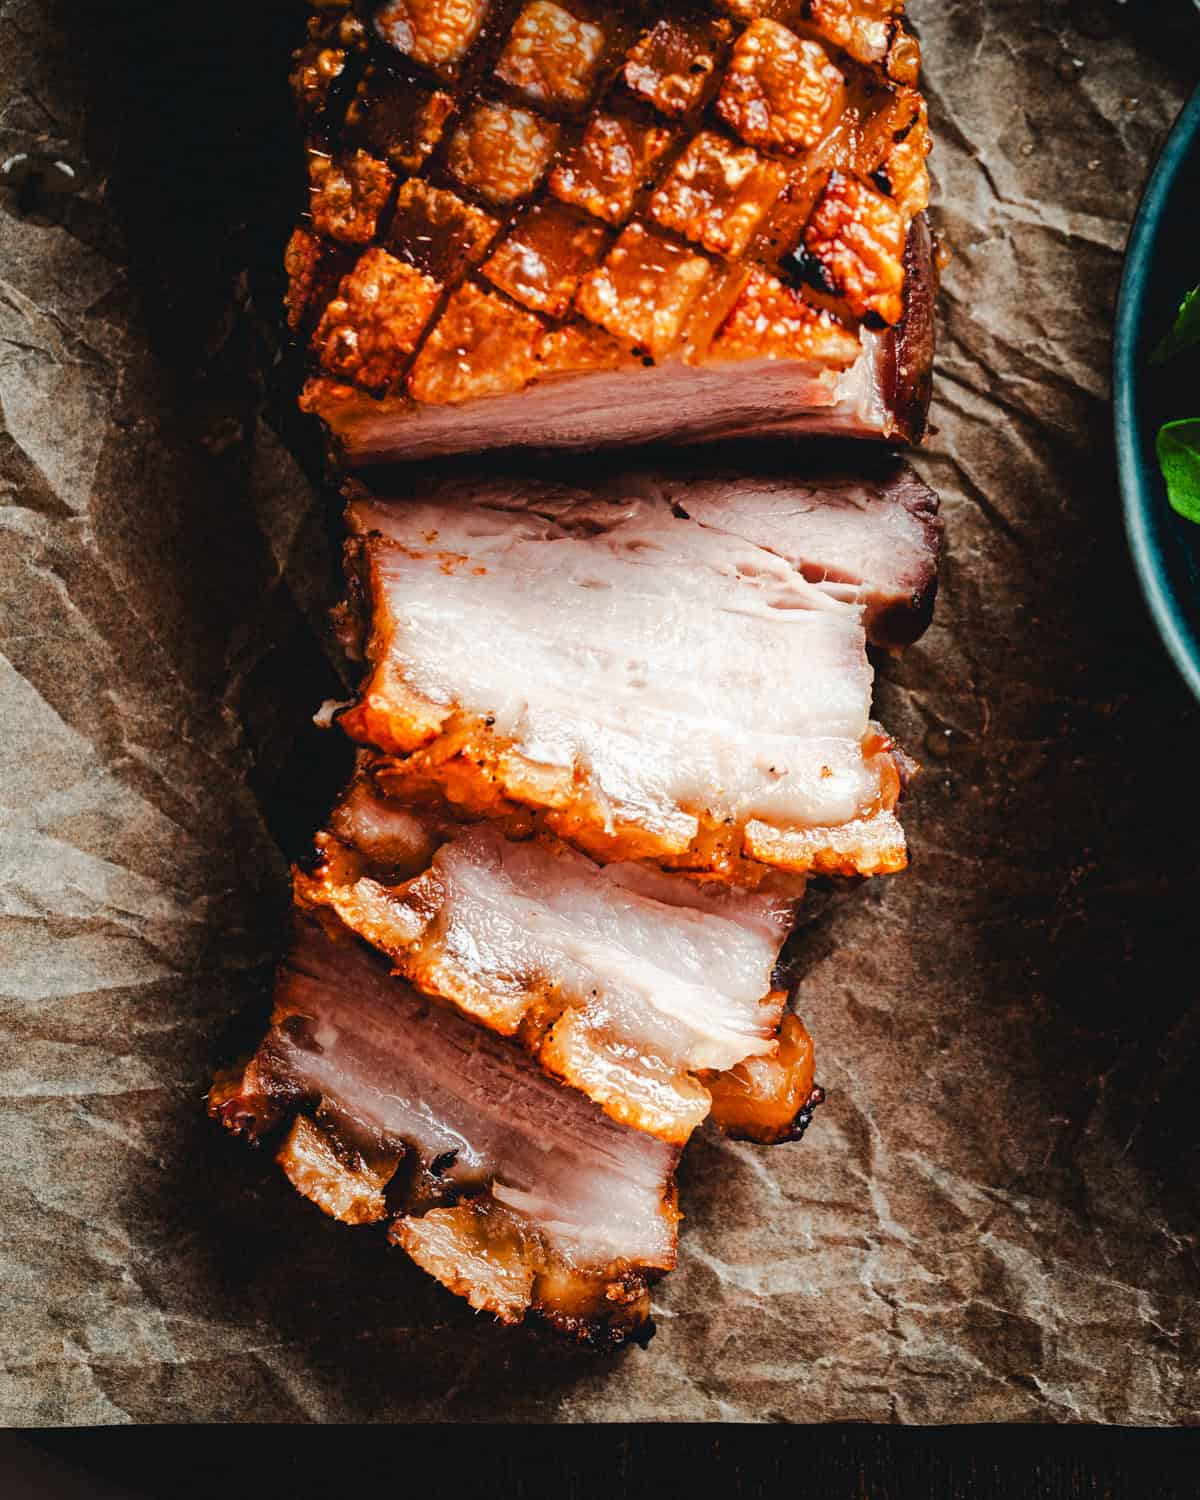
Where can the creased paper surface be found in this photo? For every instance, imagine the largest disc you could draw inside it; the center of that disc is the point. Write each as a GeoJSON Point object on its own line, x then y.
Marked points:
{"type": "Point", "coordinates": [994, 1217]}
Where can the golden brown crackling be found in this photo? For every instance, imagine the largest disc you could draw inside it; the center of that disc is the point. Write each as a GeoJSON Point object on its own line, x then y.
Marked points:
{"type": "Point", "coordinates": [398, 121]}
{"type": "Point", "coordinates": [780, 91]}
{"type": "Point", "coordinates": [501, 152]}
{"type": "Point", "coordinates": [855, 239]}
{"type": "Point", "coordinates": [771, 320]}
{"type": "Point", "coordinates": [347, 195]}
{"type": "Point", "coordinates": [346, 1188]}
{"type": "Point", "coordinates": [435, 33]}
{"type": "Point", "coordinates": [813, 86]}
{"type": "Point", "coordinates": [434, 230]}
{"type": "Point", "coordinates": [645, 289]}
{"type": "Point", "coordinates": [761, 1098]}
{"type": "Point", "coordinates": [479, 1251]}
{"type": "Point", "coordinates": [551, 55]}
{"type": "Point", "coordinates": [315, 268]}
{"type": "Point", "coordinates": [321, 60]}
{"type": "Point", "coordinates": [613, 160]}
{"type": "Point", "coordinates": [903, 170]}
{"type": "Point", "coordinates": [717, 194]}
{"type": "Point", "coordinates": [544, 256]}
{"type": "Point", "coordinates": [301, 262]}
{"type": "Point", "coordinates": [674, 63]}
{"type": "Point", "coordinates": [573, 348]}
{"type": "Point", "coordinates": [481, 345]}
{"type": "Point", "coordinates": [862, 28]}
{"type": "Point", "coordinates": [323, 397]}
{"type": "Point", "coordinates": [374, 323]}
{"type": "Point", "coordinates": [903, 63]}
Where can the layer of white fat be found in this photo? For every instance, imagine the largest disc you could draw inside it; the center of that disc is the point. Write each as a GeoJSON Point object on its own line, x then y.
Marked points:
{"type": "Point", "coordinates": [391, 1060]}
{"type": "Point", "coordinates": [684, 403]}
{"type": "Point", "coordinates": [857, 540]}
{"type": "Point", "coordinates": [680, 667]}
{"type": "Point", "coordinates": [685, 978]}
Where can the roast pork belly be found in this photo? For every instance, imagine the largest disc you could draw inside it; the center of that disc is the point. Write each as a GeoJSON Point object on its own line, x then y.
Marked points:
{"type": "Point", "coordinates": [639, 988]}
{"type": "Point", "coordinates": [652, 688]}
{"type": "Point", "coordinates": [572, 224]}
{"type": "Point", "coordinates": [515, 1192]}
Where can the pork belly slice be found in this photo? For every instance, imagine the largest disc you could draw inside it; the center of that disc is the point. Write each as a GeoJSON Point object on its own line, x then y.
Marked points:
{"type": "Point", "coordinates": [639, 988]}
{"type": "Point", "coordinates": [654, 689]}
{"type": "Point", "coordinates": [698, 225]}
{"type": "Point", "coordinates": [513, 1191]}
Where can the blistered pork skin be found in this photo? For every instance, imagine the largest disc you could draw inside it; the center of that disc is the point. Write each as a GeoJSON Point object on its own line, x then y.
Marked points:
{"type": "Point", "coordinates": [515, 1192]}
{"type": "Point", "coordinates": [579, 225]}
{"type": "Point", "coordinates": [657, 690]}
{"type": "Point", "coordinates": [634, 986]}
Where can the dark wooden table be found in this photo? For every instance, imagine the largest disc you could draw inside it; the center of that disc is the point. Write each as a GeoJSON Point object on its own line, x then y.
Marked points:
{"type": "Point", "coordinates": [841, 1463]}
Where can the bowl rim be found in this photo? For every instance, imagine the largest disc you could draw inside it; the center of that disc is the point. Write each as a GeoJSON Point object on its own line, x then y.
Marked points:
{"type": "Point", "coordinates": [1142, 523]}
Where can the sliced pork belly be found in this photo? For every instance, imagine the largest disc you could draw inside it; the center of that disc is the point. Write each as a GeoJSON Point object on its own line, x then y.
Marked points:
{"type": "Point", "coordinates": [515, 1192]}
{"type": "Point", "coordinates": [653, 689]}
{"type": "Point", "coordinates": [637, 987]}
{"type": "Point", "coordinates": [564, 223]}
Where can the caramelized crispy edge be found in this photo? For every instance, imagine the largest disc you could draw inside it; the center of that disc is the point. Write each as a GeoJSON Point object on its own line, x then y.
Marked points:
{"type": "Point", "coordinates": [472, 768]}
{"type": "Point", "coordinates": [908, 353]}
{"type": "Point", "coordinates": [770, 1100]}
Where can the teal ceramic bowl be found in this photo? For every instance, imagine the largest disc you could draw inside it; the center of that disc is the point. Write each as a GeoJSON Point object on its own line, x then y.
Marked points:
{"type": "Point", "coordinates": [1162, 263]}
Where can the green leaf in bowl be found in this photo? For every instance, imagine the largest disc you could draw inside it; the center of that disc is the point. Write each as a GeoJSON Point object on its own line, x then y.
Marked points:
{"type": "Point", "coordinates": [1186, 332]}
{"type": "Point", "coordinates": [1179, 459]}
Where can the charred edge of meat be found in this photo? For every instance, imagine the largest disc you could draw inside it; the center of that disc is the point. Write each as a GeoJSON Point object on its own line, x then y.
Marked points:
{"type": "Point", "coordinates": [805, 1118]}
{"type": "Point", "coordinates": [899, 624]}
{"type": "Point", "coordinates": [337, 1028]}
{"type": "Point", "coordinates": [808, 269]}
{"type": "Point", "coordinates": [903, 623]}
{"type": "Point", "coordinates": [769, 1100]}
{"type": "Point", "coordinates": [907, 375]}
{"type": "Point", "coordinates": [360, 1182]}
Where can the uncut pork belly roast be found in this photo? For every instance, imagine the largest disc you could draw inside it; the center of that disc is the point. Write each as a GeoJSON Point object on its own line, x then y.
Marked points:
{"type": "Point", "coordinates": [561, 223]}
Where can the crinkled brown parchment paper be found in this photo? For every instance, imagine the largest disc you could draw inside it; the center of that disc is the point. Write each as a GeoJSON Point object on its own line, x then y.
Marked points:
{"type": "Point", "coordinates": [994, 1217]}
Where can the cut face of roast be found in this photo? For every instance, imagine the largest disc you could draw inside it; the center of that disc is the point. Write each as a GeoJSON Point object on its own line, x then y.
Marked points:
{"type": "Point", "coordinates": [872, 537]}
